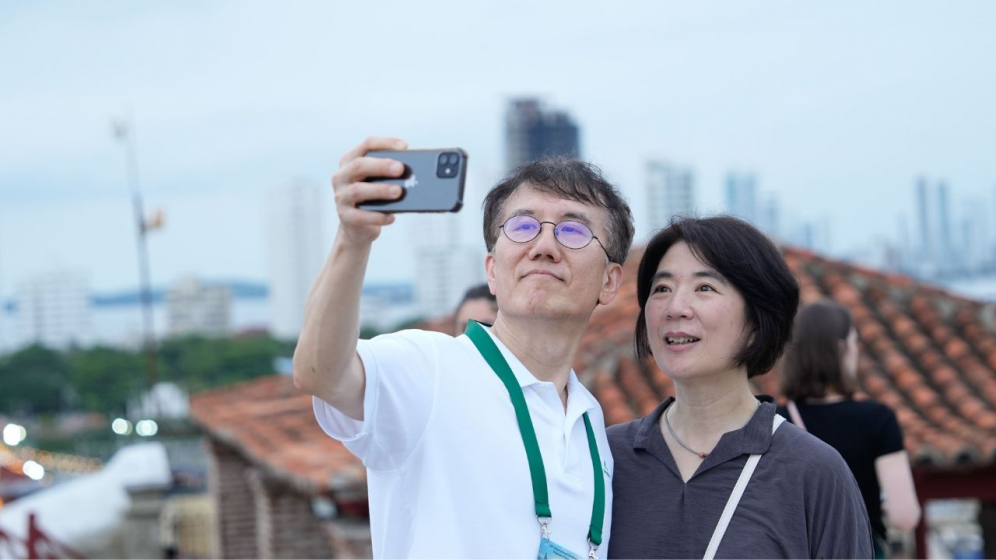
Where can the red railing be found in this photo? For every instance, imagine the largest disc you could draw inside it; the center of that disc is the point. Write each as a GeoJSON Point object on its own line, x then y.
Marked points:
{"type": "Point", "coordinates": [37, 545]}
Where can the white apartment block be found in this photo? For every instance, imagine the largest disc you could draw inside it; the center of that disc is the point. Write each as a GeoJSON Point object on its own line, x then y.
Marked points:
{"type": "Point", "coordinates": [296, 251]}
{"type": "Point", "coordinates": [670, 192]}
{"type": "Point", "coordinates": [741, 197]}
{"type": "Point", "coordinates": [444, 266]}
{"type": "Point", "coordinates": [195, 308]}
{"type": "Point", "coordinates": [53, 309]}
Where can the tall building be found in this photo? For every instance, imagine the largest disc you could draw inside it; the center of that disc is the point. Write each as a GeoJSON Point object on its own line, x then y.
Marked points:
{"type": "Point", "coordinates": [927, 229]}
{"type": "Point", "coordinates": [670, 192]}
{"type": "Point", "coordinates": [769, 217]}
{"type": "Point", "coordinates": [974, 241]}
{"type": "Point", "coordinates": [444, 267]}
{"type": "Point", "coordinates": [532, 132]}
{"type": "Point", "coordinates": [937, 250]}
{"type": "Point", "coordinates": [296, 251]}
{"type": "Point", "coordinates": [949, 257]}
{"type": "Point", "coordinates": [741, 196]}
{"type": "Point", "coordinates": [53, 310]}
{"type": "Point", "coordinates": [196, 308]}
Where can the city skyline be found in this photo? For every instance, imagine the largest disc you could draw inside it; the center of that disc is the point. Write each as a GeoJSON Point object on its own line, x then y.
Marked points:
{"type": "Point", "coordinates": [831, 128]}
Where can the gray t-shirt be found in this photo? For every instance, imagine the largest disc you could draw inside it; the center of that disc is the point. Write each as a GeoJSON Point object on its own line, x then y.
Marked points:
{"type": "Point", "coordinates": [801, 502]}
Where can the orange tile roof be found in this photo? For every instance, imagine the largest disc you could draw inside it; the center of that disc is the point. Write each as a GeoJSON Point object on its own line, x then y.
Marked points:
{"type": "Point", "coordinates": [270, 422]}
{"type": "Point", "coordinates": [926, 353]}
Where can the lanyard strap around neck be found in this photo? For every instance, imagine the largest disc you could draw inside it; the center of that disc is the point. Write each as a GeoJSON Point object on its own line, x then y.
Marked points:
{"type": "Point", "coordinates": [491, 353]}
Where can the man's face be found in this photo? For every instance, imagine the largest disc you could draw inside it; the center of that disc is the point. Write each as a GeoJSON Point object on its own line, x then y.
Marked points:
{"type": "Point", "coordinates": [542, 278]}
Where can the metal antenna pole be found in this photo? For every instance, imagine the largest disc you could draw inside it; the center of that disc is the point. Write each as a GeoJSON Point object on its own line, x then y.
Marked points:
{"type": "Point", "coordinates": [124, 132]}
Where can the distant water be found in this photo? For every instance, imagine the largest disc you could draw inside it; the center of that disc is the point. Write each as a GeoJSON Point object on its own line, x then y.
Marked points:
{"type": "Point", "coordinates": [120, 324]}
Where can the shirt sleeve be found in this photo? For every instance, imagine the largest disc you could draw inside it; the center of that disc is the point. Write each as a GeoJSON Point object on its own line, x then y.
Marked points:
{"type": "Point", "coordinates": [839, 525]}
{"type": "Point", "coordinates": [401, 376]}
{"type": "Point", "coordinates": [890, 434]}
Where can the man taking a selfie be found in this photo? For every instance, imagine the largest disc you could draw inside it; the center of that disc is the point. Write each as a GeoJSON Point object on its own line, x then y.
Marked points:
{"type": "Point", "coordinates": [483, 445]}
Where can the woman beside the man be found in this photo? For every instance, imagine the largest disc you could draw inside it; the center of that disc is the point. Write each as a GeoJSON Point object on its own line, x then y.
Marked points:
{"type": "Point", "coordinates": [713, 471]}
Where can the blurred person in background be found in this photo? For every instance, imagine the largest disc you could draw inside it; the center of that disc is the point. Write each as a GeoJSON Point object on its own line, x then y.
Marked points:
{"type": "Point", "coordinates": [478, 304]}
{"type": "Point", "coordinates": [713, 471]}
{"type": "Point", "coordinates": [485, 445]}
{"type": "Point", "coordinates": [819, 377]}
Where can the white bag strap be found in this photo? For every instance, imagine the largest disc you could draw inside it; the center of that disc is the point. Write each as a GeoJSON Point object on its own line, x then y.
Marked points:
{"type": "Point", "coordinates": [738, 492]}
{"type": "Point", "coordinates": [796, 417]}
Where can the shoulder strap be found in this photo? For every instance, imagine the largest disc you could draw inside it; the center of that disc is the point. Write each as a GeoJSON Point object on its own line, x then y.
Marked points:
{"type": "Point", "coordinates": [738, 492]}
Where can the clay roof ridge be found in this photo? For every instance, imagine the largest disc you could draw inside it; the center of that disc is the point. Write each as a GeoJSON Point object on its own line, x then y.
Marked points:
{"type": "Point", "coordinates": [907, 283]}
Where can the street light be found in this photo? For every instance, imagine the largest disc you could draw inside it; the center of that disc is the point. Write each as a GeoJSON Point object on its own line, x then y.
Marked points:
{"type": "Point", "coordinates": [124, 132]}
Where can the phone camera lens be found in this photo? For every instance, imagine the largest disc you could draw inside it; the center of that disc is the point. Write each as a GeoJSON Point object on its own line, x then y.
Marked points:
{"type": "Point", "coordinates": [448, 164]}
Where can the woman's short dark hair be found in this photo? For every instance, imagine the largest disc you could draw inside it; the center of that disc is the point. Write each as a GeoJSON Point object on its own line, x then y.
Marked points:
{"type": "Point", "coordinates": [746, 259]}
{"type": "Point", "coordinates": [570, 179]}
{"type": "Point", "coordinates": [814, 361]}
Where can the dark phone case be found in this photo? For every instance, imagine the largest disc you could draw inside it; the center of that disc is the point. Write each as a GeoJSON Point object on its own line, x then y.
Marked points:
{"type": "Point", "coordinates": [424, 190]}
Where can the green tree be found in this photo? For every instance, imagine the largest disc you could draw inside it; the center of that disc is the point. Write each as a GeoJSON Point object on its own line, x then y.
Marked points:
{"type": "Point", "coordinates": [104, 378]}
{"type": "Point", "coordinates": [35, 380]}
{"type": "Point", "coordinates": [198, 363]}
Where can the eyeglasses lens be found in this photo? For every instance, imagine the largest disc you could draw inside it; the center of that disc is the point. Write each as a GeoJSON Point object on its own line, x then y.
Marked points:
{"type": "Point", "coordinates": [573, 235]}
{"type": "Point", "coordinates": [522, 228]}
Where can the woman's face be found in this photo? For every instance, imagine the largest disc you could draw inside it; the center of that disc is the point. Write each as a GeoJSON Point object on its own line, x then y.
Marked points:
{"type": "Point", "coordinates": [850, 349]}
{"type": "Point", "coordinates": [695, 318]}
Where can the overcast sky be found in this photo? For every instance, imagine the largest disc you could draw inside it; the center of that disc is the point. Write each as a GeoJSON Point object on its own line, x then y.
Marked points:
{"type": "Point", "coordinates": [836, 106]}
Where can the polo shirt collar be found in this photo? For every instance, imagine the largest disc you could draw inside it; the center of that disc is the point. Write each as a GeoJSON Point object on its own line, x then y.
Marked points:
{"type": "Point", "coordinates": [577, 395]}
{"type": "Point", "coordinates": [755, 437]}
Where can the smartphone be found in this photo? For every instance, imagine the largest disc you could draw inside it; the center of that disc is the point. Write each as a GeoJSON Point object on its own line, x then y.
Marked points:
{"type": "Point", "coordinates": [433, 181]}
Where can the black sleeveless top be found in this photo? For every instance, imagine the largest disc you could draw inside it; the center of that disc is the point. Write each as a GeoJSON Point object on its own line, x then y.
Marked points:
{"type": "Point", "coordinates": [861, 431]}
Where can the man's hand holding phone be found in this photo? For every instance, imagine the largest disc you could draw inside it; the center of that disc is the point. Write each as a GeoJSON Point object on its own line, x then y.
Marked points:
{"type": "Point", "coordinates": [352, 188]}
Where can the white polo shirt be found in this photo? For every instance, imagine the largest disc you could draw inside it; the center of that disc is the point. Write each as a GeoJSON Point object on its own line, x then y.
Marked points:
{"type": "Point", "coordinates": [447, 471]}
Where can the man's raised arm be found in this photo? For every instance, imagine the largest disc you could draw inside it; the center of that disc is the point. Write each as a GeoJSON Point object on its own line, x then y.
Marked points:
{"type": "Point", "coordinates": [326, 364]}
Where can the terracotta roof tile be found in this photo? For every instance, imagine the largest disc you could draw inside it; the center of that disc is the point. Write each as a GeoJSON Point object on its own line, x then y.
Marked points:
{"type": "Point", "coordinates": [270, 422]}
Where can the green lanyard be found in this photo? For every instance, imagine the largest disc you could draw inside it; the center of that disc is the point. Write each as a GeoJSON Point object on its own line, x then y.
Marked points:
{"type": "Point", "coordinates": [493, 356]}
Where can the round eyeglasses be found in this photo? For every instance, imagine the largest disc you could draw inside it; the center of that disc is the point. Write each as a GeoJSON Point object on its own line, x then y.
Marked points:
{"type": "Point", "coordinates": [569, 233]}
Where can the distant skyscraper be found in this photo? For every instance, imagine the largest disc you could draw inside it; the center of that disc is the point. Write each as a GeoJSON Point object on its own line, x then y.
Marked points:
{"type": "Point", "coordinates": [194, 308]}
{"type": "Point", "coordinates": [937, 249]}
{"type": "Point", "coordinates": [532, 132]}
{"type": "Point", "coordinates": [53, 309]}
{"type": "Point", "coordinates": [670, 192]}
{"type": "Point", "coordinates": [741, 196]}
{"type": "Point", "coordinates": [444, 268]}
{"type": "Point", "coordinates": [948, 256]}
{"type": "Point", "coordinates": [974, 242]}
{"type": "Point", "coordinates": [296, 251]}
{"type": "Point", "coordinates": [769, 217]}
